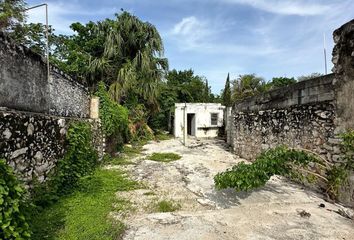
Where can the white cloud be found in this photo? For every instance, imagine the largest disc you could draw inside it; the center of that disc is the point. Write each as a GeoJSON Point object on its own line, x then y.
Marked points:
{"type": "Point", "coordinates": [205, 36]}
{"type": "Point", "coordinates": [286, 7]}
{"type": "Point", "coordinates": [63, 14]}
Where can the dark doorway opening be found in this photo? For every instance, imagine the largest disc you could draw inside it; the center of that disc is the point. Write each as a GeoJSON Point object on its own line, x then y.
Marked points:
{"type": "Point", "coordinates": [191, 124]}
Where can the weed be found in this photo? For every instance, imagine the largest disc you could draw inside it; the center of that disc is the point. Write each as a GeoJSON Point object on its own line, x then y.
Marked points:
{"type": "Point", "coordinates": [164, 157]}
{"type": "Point", "coordinates": [167, 206]}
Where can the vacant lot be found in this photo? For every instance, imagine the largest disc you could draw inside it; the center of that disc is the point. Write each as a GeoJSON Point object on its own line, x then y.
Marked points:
{"type": "Point", "coordinates": [178, 200]}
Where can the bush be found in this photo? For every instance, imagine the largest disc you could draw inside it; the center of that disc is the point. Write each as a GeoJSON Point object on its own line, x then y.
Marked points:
{"type": "Point", "coordinates": [114, 118]}
{"type": "Point", "coordinates": [278, 161]}
{"type": "Point", "coordinates": [13, 224]}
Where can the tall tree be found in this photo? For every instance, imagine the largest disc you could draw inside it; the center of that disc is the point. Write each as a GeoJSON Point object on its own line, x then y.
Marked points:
{"type": "Point", "coordinates": [226, 95]}
{"type": "Point", "coordinates": [11, 14]}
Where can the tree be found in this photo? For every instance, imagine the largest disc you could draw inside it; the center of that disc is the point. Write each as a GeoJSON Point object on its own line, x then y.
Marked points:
{"type": "Point", "coordinates": [132, 57]}
{"type": "Point", "coordinates": [247, 85]}
{"type": "Point", "coordinates": [11, 14]}
{"type": "Point", "coordinates": [226, 95]}
{"type": "Point", "coordinates": [309, 76]}
{"type": "Point", "coordinates": [282, 81]}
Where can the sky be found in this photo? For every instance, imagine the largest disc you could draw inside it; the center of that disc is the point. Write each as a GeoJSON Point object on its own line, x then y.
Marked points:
{"type": "Point", "coordinates": [271, 38]}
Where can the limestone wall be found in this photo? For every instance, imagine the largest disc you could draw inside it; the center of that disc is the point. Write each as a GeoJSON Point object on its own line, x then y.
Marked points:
{"type": "Point", "coordinates": [24, 84]}
{"type": "Point", "coordinates": [33, 143]}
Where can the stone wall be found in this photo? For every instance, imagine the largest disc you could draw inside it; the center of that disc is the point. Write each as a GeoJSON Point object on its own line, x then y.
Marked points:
{"type": "Point", "coordinates": [24, 84]}
{"type": "Point", "coordinates": [309, 114]}
{"type": "Point", "coordinates": [32, 143]}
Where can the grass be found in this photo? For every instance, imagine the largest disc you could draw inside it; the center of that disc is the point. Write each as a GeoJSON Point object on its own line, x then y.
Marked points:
{"type": "Point", "coordinates": [119, 161]}
{"type": "Point", "coordinates": [164, 157]}
{"type": "Point", "coordinates": [163, 137]}
{"type": "Point", "coordinates": [85, 213]}
{"type": "Point", "coordinates": [167, 206]}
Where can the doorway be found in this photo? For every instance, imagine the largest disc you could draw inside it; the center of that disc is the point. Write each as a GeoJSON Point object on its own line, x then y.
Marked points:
{"type": "Point", "coordinates": [191, 124]}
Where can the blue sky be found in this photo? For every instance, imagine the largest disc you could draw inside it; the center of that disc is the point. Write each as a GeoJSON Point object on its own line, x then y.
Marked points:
{"type": "Point", "coordinates": [213, 37]}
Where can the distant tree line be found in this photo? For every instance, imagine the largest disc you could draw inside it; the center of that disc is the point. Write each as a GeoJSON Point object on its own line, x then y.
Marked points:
{"type": "Point", "coordinates": [248, 85]}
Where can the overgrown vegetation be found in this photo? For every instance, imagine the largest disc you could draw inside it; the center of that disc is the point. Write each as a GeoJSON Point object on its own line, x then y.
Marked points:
{"type": "Point", "coordinates": [338, 175]}
{"type": "Point", "coordinates": [278, 161]}
{"type": "Point", "coordinates": [114, 118]}
{"type": "Point", "coordinates": [85, 214]}
{"type": "Point", "coordinates": [167, 206]}
{"type": "Point", "coordinates": [80, 160]}
{"type": "Point", "coordinates": [164, 157]}
{"type": "Point", "coordinates": [293, 164]}
{"type": "Point", "coordinates": [13, 222]}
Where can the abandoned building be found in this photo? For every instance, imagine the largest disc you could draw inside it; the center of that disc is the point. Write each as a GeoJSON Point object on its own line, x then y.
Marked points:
{"type": "Point", "coordinates": [198, 119]}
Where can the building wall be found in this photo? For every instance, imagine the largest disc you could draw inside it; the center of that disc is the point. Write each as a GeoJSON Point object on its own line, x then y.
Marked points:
{"type": "Point", "coordinates": [202, 113]}
{"type": "Point", "coordinates": [310, 114]}
{"type": "Point", "coordinates": [24, 84]}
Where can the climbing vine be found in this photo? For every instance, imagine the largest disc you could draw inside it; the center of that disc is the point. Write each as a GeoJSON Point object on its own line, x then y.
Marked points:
{"type": "Point", "coordinates": [80, 160]}
{"type": "Point", "coordinates": [114, 118]}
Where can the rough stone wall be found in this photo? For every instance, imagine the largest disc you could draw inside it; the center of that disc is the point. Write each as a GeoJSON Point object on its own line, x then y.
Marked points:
{"type": "Point", "coordinates": [309, 114]}
{"type": "Point", "coordinates": [24, 85]}
{"type": "Point", "coordinates": [68, 98]}
{"type": "Point", "coordinates": [301, 126]}
{"type": "Point", "coordinates": [33, 143]}
{"type": "Point", "coordinates": [343, 60]}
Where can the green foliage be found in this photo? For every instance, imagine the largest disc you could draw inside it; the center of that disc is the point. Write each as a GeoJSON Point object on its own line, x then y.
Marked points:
{"type": "Point", "coordinates": [138, 127]}
{"type": "Point", "coordinates": [114, 118]}
{"type": "Point", "coordinates": [278, 161]}
{"type": "Point", "coordinates": [226, 96]}
{"type": "Point", "coordinates": [247, 85]}
{"type": "Point", "coordinates": [278, 82]}
{"type": "Point", "coordinates": [13, 222]}
{"type": "Point", "coordinates": [338, 175]}
{"type": "Point", "coordinates": [164, 157]}
{"type": "Point", "coordinates": [84, 214]}
{"type": "Point", "coordinates": [11, 14]}
{"type": "Point", "coordinates": [80, 160]}
{"type": "Point", "coordinates": [167, 206]}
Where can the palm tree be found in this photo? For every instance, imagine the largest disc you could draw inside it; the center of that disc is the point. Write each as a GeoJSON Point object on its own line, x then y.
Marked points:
{"type": "Point", "coordinates": [132, 58]}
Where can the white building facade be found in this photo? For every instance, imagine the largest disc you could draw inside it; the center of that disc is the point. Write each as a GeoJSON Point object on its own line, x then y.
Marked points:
{"type": "Point", "coordinates": [201, 120]}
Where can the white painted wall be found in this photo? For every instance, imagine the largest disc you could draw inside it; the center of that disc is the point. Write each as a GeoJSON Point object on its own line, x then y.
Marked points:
{"type": "Point", "coordinates": [202, 111]}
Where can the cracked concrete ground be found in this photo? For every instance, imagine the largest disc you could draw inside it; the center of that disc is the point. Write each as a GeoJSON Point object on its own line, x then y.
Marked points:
{"type": "Point", "coordinates": [271, 212]}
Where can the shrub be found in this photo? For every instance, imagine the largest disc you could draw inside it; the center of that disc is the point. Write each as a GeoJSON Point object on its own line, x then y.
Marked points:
{"type": "Point", "coordinates": [114, 118]}
{"type": "Point", "coordinates": [278, 161]}
{"type": "Point", "coordinates": [13, 224]}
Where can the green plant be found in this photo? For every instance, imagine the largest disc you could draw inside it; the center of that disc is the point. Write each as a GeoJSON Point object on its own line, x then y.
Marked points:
{"type": "Point", "coordinates": [85, 214]}
{"type": "Point", "coordinates": [278, 161]}
{"type": "Point", "coordinates": [164, 157]}
{"type": "Point", "coordinates": [80, 160]}
{"type": "Point", "coordinates": [114, 119]}
{"type": "Point", "coordinates": [13, 223]}
{"type": "Point", "coordinates": [338, 175]}
{"type": "Point", "coordinates": [167, 206]}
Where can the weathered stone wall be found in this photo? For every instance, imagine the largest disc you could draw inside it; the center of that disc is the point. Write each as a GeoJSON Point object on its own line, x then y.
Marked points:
{"type": "Point", "coordinates": [24, 84]}
{"type": "Point", "coordinates": [68, 98]}
{"type": "Point", "coordinates": [33, 143]}
{"type": "Point", "coordinates": [309, 114]}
